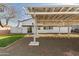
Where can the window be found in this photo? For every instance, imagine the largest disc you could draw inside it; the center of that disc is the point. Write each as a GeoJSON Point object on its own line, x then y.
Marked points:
{"type": "Point", "coordinates": [24, 25]}
{"type": "Point", "coordinates": [46, 28]}
{"type": "Point", "coordinates": [50, 27]}
{"type": "Point", "coordinates": [38, 28]}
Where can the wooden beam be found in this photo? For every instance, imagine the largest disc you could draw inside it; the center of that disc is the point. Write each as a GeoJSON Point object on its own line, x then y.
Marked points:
{"type": "Point", "coordinates": [50, 20]}
{"type": "Point", "coordinates": [72, 15]}
{"type": "Point", "coordinates": [58, 23]}
{"type": "Point", "coordinates": [49, 13]}
{"type": "Point", "coordinates": [57, 15]}
{"type": "Point", "coordinates": [61, 9]}
{"type": "Point", "coordinates": [69, 9]}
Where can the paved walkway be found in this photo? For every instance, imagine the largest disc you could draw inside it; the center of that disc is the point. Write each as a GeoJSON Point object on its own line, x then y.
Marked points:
{"type": "Point", "coordinates": [47, 47]}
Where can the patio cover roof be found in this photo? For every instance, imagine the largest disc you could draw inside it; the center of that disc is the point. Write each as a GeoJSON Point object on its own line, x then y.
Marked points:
{"type": "Point", "coordinates": [57, 15]}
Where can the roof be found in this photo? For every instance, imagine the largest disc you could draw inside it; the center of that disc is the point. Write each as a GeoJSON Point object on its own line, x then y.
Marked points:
{"type": "Point", "coordinates": [56, 15]}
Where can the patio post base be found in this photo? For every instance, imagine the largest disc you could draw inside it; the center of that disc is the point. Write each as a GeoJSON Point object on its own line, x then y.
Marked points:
{"type": "Point", "coordinates": [34, 43]}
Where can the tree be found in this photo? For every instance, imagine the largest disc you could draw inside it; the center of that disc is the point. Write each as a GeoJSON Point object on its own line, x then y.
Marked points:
{"type": "Point", "coordinates": [1, 11]}
{"type": "Point", "coordinates": [11, 13]}
{"type": "Point", "coordinates": [1, 24]}
{"type": "Point", "coordinates": [8, 13]}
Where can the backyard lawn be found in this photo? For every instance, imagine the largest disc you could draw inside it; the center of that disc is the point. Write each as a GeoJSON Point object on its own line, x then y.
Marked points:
{"type": "Point", "coordinates": [6, 40]}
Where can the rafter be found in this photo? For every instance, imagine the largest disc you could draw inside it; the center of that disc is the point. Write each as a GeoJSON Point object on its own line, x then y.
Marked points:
{"type": "Point", "coordinates": [72, 15]}
{"type": "Point", "coordinates": [45, 11]}
{"type": "Point", "coordinates": [52, 11]}
{"type": "Point", "coordinates": [67, 16]}
{"type": "Point", "coordinates": [61, 15]}
{"type": "Point", "coordinates": [59, 11]}
{"type": "Point", "coordinates": [69, 9]}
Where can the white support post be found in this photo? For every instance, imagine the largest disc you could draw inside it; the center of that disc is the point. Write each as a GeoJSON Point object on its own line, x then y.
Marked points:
{"type": "Point", "coordinates": [34, 42]}
{"type": "Point", "coordinates": [59, 30]}
{"type": "Point", "coordinates": [68, 29]}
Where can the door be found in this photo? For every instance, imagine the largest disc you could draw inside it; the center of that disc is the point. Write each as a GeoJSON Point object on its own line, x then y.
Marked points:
{"type": "Point", "coordinates": [29, 29]}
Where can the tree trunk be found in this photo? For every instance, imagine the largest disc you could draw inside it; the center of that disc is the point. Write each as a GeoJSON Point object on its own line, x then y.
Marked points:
{"type": "Point", "coordinates": [7, 20]}
{"type": "Point", "coordinates": [1, 24]}
{"type": "Point", "coordinates": [18, 23]}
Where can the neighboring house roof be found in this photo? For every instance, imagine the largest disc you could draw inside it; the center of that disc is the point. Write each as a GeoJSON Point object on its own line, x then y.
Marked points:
{"type": "Point", "coordinates": [25, 22]}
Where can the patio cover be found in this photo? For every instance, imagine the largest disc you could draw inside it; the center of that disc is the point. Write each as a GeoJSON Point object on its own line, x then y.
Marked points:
{"type": "Point", "coordinates": [56, 15]}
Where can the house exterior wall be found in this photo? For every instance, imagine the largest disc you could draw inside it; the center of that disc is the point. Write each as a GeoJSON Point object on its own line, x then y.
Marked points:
{"type": "Point", "coordinates": [28, 22]}
{"type": "Point", "coordinates": [24, 29]}
{"type": "Point", "coordinates": [55, 30]}
{"type": "Point", "coordinates": [42, 30]}
{"type": "Point", "coordinates": [18, 30]}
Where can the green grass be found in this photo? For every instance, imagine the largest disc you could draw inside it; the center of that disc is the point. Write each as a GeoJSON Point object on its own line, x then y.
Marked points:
{"type": "Point", "coordinates": [6, 40]}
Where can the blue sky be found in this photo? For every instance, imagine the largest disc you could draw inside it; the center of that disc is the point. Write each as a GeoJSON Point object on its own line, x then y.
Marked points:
{"type": "Point", "coordinates": [19, 9]}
